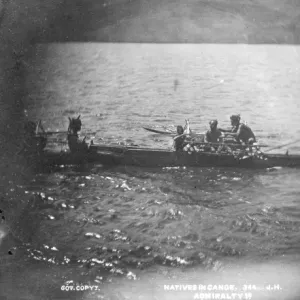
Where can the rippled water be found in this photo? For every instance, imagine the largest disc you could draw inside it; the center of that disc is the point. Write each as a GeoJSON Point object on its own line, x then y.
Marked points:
{"type": "Point", "coordinates": [129, 230]}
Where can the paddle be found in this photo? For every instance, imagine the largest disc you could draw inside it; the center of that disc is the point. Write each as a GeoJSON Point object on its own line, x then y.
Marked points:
{"type": "Point", "coordinates": [168, 132]}
{"type": "Point", "coordinates": [280, 146]}
{"type": "Point", "coordinates": [159, 131]}
{"type": "Point", "coordinates": [215, 85]}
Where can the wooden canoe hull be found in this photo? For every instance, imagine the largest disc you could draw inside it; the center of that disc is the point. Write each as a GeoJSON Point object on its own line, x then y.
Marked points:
{"type": "Point", "coordinates": [145, 157]}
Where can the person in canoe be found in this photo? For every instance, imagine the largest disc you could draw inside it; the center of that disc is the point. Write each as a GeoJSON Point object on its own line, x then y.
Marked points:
{"type": "Point", "coordinates": [184, 139]}
{"type": "Point", "coordinates": [214, 136]}
{"type": "Point", "coordinates": [240, 131]}
{"type": "Point", "coordinates": [179, 141]}
{"type": "Point", "coordinates": [35, 139]}
{"type": "Point", "coordinates": [74, 142]}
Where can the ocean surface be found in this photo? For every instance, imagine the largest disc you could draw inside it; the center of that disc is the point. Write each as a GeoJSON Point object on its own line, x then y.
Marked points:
{"type": "Point", "coordinates": [133, 231]}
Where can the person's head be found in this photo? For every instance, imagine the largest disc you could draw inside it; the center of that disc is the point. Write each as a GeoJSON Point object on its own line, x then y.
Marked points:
{"type": "Point", "coordinates": [235, 120]}
{"type": "Point", "coordinates": [75, 124]}
{"type": "Point", "coordinates": [180, 130]}
{"type": "Point", "coordinates": [213, 124]}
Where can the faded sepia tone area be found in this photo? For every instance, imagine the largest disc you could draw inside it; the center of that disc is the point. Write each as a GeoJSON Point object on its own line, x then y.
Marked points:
{"type": "Point", "coordinates": [191, 21]}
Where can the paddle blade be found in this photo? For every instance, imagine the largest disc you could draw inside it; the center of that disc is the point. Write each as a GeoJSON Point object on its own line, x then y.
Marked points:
{"type": "Point", "coordinates": [159, 131]}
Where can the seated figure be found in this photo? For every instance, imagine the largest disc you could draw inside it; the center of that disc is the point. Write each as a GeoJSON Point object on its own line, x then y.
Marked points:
{"type": "Point", "coordinates": [74, 143]}
{"type": "Point", "coordinates": [240, 131]}
{"type": "Point", "coordinates": [183, 140]}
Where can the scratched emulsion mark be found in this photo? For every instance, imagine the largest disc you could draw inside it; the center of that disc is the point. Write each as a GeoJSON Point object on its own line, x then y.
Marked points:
{"type": "Point", "coordinates": [3, 231]}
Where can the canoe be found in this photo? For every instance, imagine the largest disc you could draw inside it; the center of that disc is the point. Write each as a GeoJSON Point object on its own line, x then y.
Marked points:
{"type": "Point", "coordinates": [148, 157]}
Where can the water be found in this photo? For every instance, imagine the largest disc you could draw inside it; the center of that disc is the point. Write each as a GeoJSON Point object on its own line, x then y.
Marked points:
{"type": "Point", "coordinates": [129, 230]}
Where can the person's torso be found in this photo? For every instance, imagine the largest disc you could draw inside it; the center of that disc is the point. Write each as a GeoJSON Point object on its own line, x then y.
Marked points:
{"type": "Point", "coordinates": [75, 144]}
{"type": "Point", "coordinates": [213, 136]}
{"type": "Point", "coordinates": [179, 143]}
{"type": "Point", "coordinates": [245, 133]}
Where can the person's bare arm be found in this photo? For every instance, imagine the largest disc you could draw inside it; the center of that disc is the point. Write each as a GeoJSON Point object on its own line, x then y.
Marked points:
{"type": "Point", "coordinates": [178, 136]}
{"type": "Point", "coordinates": [236, 134]}
{"type": "Point", "coordinates": [225, 130]}
{"type": "Point", "coordinates": [206, 138]}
